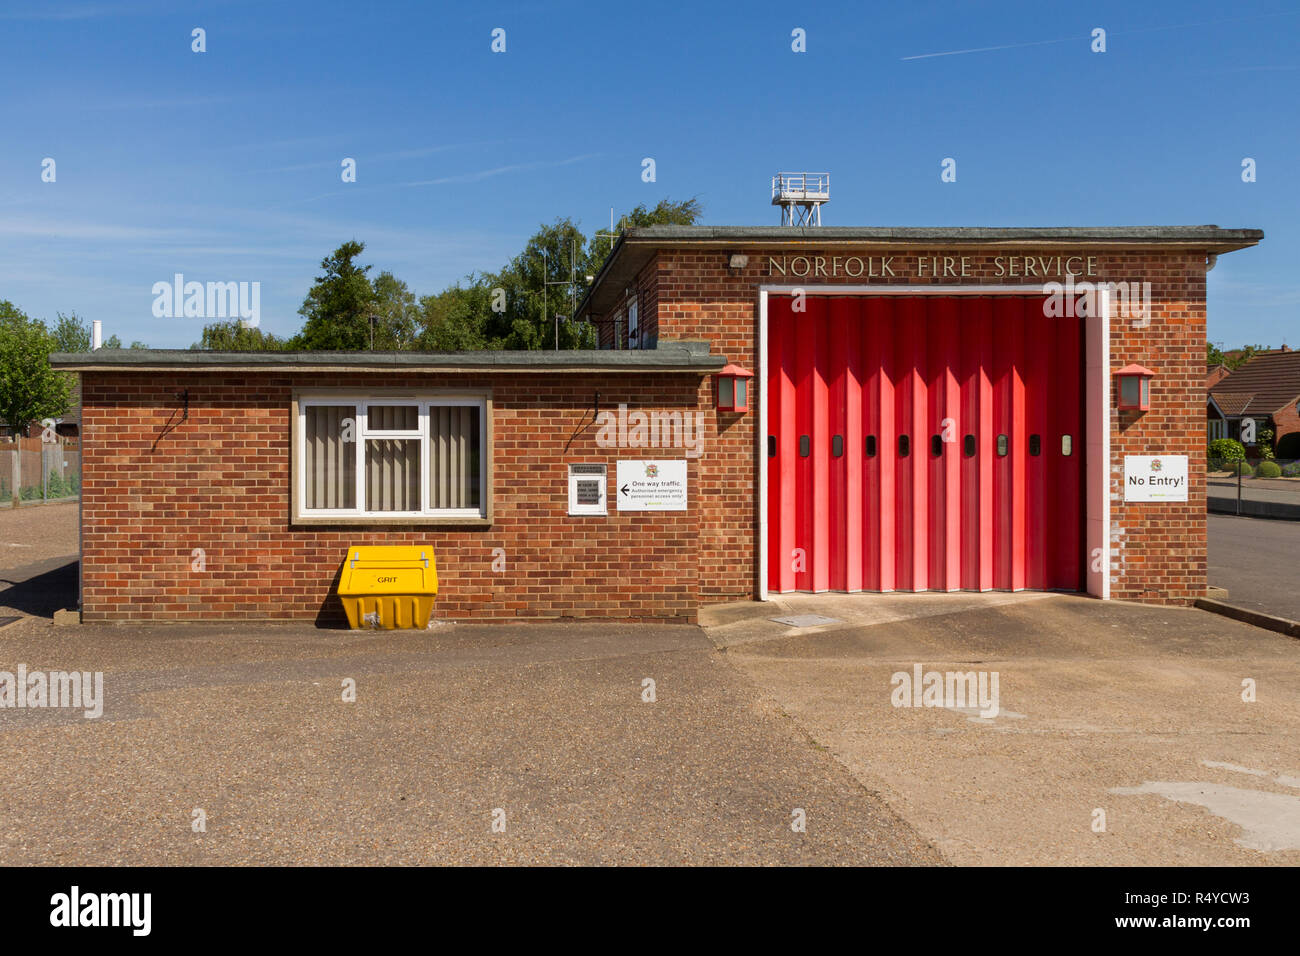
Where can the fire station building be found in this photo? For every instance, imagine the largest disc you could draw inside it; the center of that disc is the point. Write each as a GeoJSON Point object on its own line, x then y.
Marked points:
{"type": "Point", "coordinates": [771, 410]}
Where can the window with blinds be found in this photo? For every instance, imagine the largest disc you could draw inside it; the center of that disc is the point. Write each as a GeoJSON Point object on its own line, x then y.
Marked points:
{"type": "Point", "coordinates": [392, 457]}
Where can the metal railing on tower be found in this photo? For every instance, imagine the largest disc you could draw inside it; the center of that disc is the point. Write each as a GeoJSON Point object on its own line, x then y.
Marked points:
{"type": "Point", "coordinates": [801, 196]}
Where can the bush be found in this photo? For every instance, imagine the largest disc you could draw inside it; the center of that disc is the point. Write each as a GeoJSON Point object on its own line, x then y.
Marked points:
{"type": "Point", "coordinates": [1239, 468]}
{"type": "Point", "coordinates": [1268, 469]}
{"type": "Point", "coordinates": [58, 486]}
{"type": "Point", "coordinates": [1292, 470]}
{"type": "Point", "coordinates": [1226, 450]}
{"type": "Point", "coordinates": [61, 486]}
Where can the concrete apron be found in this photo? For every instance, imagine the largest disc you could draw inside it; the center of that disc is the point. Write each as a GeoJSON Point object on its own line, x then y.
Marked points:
{"type": "Point", "coordinates": [1121, 734]}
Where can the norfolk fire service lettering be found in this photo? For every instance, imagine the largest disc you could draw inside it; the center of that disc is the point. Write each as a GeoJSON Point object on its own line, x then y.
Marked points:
{"type": "Point", "coordinates": [929, 267]}
{"type": "Point", "coordinates": [651, 485]}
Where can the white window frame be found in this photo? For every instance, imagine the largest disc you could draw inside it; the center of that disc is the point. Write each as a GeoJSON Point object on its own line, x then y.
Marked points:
{"type": "Point", "coordinates": [633, 322]}
{"type": "Point", "coordinates": [424, 400]}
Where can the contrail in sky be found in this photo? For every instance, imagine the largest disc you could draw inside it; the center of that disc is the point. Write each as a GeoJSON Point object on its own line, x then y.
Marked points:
{"type": "Point", "coordinates": [1174, 26]}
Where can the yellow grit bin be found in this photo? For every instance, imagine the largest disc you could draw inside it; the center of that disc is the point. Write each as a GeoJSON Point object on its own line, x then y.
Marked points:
{"type": "Point", "coordinates": [389, 586]}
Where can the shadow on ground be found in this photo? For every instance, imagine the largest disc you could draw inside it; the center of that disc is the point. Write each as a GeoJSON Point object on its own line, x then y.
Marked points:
{"type": "Point", "coordinates": [41, 588]}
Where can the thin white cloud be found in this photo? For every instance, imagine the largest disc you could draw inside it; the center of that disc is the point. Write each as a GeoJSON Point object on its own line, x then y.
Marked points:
{"type": "Point", "coordinates": [377, 157]}
{"type": "Point", "coordinates": [50, 229]}
{"type": "Point", "coordinates": [352, 189]}
{"type": "Point", "coordinates": [1109, 33]}
{"type": "Point", "coordinates": [482, 174]}
{"type": "Point", "coordinates": [986, 49]}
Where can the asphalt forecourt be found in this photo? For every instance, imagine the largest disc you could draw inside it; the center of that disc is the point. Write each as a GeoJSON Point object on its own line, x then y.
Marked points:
{"type": "Point", "coordinates": [511, 744]}
{"type": "Point", "coordinates": [1045, 730]}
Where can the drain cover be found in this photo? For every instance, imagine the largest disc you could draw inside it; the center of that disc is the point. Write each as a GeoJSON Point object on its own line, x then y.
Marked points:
{"type": "Point", "coordinates": [806, 620]}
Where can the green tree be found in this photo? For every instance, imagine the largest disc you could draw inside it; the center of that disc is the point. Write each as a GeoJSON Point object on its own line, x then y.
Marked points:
{"type": "Point", "coordinates": [455, 319]}
{"type": "Point", "coordinates": [397, 317]}
{"type": "Point", "coordinates": [528, 304]}
{"type": "Point", "coordinates": [541, 284]}
{"type": "Point", "coordinates": [1247, 353]}
{"type": "Point", "coordinates": [29, 388]}
{"type": "Point", "coordinates": [339, 307]}
{"type": "Point", "coordinates": [666, 213]}
{"type": "Point", "coordinates": [233, 336]}
{"type": "Point", "coordinates": [71, 333]}
{"type": "Point", "coordinates": [1215, 356]}
{"type": "Point", "coordinates": [549, 278]}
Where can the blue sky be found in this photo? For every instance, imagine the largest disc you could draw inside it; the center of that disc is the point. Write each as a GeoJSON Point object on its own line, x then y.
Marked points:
{"type": "Point", "coordinates": [225, 165]}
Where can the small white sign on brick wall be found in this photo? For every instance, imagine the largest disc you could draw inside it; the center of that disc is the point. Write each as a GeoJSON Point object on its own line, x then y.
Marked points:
{"type": "Point", "coordinates": [1155, 477]}
{"type": "Point", "coordinates": [651, 485]}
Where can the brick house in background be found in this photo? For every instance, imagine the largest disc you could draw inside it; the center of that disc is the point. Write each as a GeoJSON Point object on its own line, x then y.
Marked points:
{"type": "Point", "coordinates": [1216, 374]}
{"type": "Point", "coordinates": [1266, 390]}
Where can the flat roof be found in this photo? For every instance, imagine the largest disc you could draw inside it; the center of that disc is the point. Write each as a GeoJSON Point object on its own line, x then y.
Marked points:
{"type": "Point", "coordinates": [635, 246]}
{"type": "Point", "coordinates": [670, 356]}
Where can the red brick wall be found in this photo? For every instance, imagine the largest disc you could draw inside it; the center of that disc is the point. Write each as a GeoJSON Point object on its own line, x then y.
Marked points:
{"type": "Point", "coordinates": [647, 286]}
{"type": "Point", "coordinates": [612, 328]}
{"type": "Point", "coordinates": [220, 481]}
{"type": "Point", "coordinates": [1285, 422]}
{"type": "Point", "coordinates": [1158, 549]}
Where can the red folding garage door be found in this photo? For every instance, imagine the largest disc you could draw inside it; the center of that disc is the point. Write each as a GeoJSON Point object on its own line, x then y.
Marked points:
{"type": "Point", "coordinates": [924, 443]}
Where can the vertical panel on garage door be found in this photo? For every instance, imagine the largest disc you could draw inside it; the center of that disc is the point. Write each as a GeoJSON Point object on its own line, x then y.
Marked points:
{"type": "Point", "coordinates": [1008, 444]}
{"type": "Point", "coordinates": [976, 428]}
{"type": "Point", "coordinates": [943, 444]}
{"type": "Point", "coordinates": [846, 435]}
{"type": "Point", "coordinates": [911, 554]}
{"type": "Point", "coordinates": [781, 445]}
{"type": "Point", "coordinates": [1064, 451]}
{"type": "Point", "coordinates": [879, 525]}
{"type": "Point", "coordinates": [1039, 346]}
{"type": "Point", "coordinates": [923, 443]}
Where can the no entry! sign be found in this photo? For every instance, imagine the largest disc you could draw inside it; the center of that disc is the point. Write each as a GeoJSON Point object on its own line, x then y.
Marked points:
{"type": "Point", "coordinates": [1155, 477]}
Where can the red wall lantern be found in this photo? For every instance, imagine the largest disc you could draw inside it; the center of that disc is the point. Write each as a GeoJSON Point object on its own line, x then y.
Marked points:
{"type": "Point", "coordinates": [733, 389]}
{"type": "Point", "coordinates": [1135, 387]}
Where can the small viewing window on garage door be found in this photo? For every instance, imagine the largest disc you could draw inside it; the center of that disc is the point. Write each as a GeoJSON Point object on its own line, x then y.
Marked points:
{"type": "Point", "coordinates": [391, 457]}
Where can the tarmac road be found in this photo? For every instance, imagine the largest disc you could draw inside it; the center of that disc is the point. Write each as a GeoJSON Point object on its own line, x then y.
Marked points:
{"type": "Point", "coordinates": [1258, 561]}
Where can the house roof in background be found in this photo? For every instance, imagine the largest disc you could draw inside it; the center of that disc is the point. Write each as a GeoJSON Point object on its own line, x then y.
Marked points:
{"type": "Point", "coordinates": [1265, 385]}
